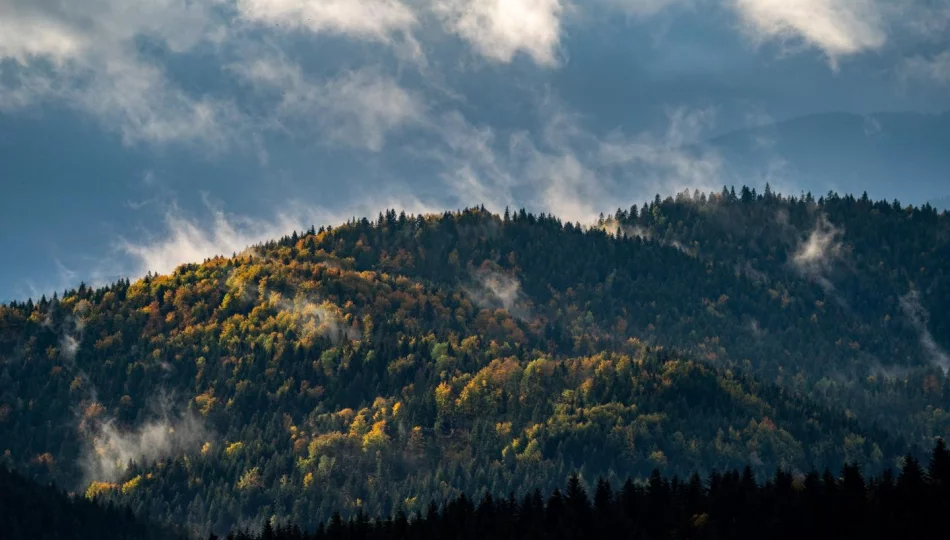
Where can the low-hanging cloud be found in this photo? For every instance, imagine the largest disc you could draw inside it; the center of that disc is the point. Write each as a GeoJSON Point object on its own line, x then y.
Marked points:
{"type": "Point", "coordinates": [815, 257]}
{"type": "Point", "coordinates": [70, 332]}
{"type": "Point", "coordinates": [571, 170]}
{"type": "Point", "coordinates": [319, 319]}
{"type": "Point", "coordinates": [672, 162]}
{"type": "Point", "coordinates": [615, 229]}
{"type": "Point", "coordinates": [493, 289]}
{"type": "Point", "coordinates": [109, 448]}
{"type": "Point", "coordinates": [919, 317]}
{"type": "Point", "coordinates": [187, 239]}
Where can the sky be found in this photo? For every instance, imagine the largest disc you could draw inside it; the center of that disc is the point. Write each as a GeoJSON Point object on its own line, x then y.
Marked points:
{"type": "Point", "coordinates": [137, 135]}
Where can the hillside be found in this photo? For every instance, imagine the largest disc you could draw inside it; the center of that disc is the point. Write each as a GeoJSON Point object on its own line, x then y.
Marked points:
{"type": "Point", "coordinates": [35, 512]}
{"type": "Point", "coordinates": [909, 503]}
{"type": "Point", "coordinates": [384, 363]}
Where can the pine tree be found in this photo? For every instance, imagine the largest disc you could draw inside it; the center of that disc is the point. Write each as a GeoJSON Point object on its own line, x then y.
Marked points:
{"type": "Point", "coordinates": [939, 466]}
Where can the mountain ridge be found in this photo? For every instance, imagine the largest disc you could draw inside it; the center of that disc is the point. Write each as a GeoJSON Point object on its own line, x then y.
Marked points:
{"type": "Point", "coordinates": [469, 350]}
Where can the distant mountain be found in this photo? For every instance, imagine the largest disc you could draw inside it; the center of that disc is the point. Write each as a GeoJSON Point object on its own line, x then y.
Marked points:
{"type": "Point", "coordinates": [391, 361]}
{"type": "Point", "coordinates": [889, 155]}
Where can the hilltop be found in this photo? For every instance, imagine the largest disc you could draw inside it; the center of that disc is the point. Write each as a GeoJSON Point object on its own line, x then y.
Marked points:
{"type": "Point", "coordinates": [387, 362]}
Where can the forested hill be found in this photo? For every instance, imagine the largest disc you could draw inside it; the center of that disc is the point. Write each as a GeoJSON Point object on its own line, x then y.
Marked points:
{"type": "Point", "coordinates": [384, 363]}
{"type": "Point", "coordinates": [909, 504]}
{"type": "Point", "coordinates": [34, 512]}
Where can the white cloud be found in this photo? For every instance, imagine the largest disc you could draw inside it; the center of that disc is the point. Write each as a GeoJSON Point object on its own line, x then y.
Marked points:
{"type": "Point", "coordinates": [84, 55]}
{"type": "Point", "coordinates": [368, 19]}
{"type": "Point", "coordinates": [837, 27]}
{"type": "Point", "coordinates": [547, 172]}
{"type": "Point", "coordinates": [499, 29]}
{"type": "Point", "coordinates": [936, 68]}
{"type": "Point", "coordinates": [25, 38]}
{"type": "Point", "coordinates": [570, 171]}
{"type": "Point", "coordinates": [358, 108]}
{"type": "Point", "coordinates": [138, 100]}
{"type": "Point", "coordinates": [187, 239]}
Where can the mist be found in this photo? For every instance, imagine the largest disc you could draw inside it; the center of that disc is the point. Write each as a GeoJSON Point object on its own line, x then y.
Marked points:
{"type": "Point", "coordinates": [108, 448]}
{"type": "Point", "coordinates": [816, 256]}
{"type": "Point", "coordinates": [919, 317]}
{"type": "Point", "coordinates": [319, 319]}
{"type": "Point", "coordinates": [495, 290]}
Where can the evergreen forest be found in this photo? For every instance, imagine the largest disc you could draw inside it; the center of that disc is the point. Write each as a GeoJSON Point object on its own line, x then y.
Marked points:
{"type": "Point", "coordinates": [366, 370]}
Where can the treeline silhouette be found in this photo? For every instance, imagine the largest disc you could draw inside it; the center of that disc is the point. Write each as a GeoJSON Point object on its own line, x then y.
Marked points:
{"type": "Point", "coordinates": [728, 505]}
{"type": "Point", "coordinates": [31, 511]}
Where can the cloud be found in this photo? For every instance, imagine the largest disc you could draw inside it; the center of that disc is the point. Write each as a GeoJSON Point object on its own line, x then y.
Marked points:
{"type": "Point", "coordinates": [816, 256]}
{"type": "Point", "coordinates": [613, 228]}
{"type": "Point", "coordinates": [925, 20]}
{"type": "Point", "coordinates": [319, 319]}
{"type": "Point", "coordinates": [493, 289]}
{"type": "Point", "coordinates": [545, 172]}
{"type": "Point", "coordinates": [837, 27]}
{"type": "Point", "coordinates": [579, 173]}
{"type": "Point", "coordinates": [471, 166]}
{"type": "Point", "coordinates": [71, 332]}
{"type": "Point", "coordinates": [672, 162]}
{"type": "Point", "coordinates": [85, 56]}
{"type": "Point", "coordinates": [133, 99]}
{"type": "Point", "coordinates": [367, 19]}
{"type": "Point", "coordinates": [357, 108]}
{"type": "Point", "coordinates": [568, 169]}
{"type": "Point", "coordinates": [27, 38]}
{"type": "Point", "coordinates": [499, 29]}
{"type": "Point", "coordinates": [66, 31]}
{"type": "Point", "coordinates": [108, 449]}
{"type": "Point", "coordinates": [69, 346]}
{"type": "Point", "coordinates": [187, 240]}
{"type": "Point", "coordinates": [919, 317]}
{"type": "Point", "coordinates": [935, 69]}
{"type": "Point", "coordinates": [643, 8]}
{"type": "Point", "coordinates": [139, 102]}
